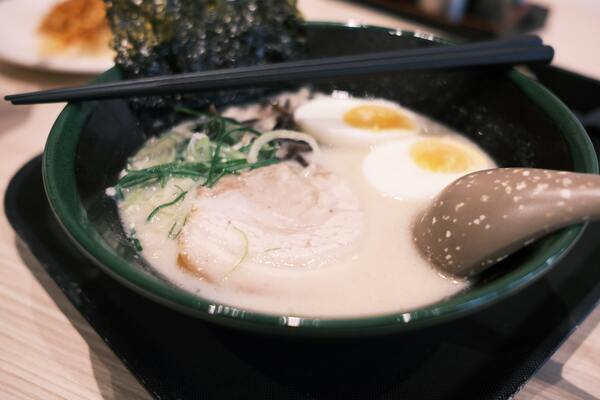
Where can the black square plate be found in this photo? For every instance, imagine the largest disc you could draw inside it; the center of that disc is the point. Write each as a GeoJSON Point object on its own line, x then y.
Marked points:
{"type": "Point", "coordinates": [488, 355]}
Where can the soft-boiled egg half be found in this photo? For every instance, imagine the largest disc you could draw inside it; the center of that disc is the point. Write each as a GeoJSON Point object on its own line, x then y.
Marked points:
{"type": "Point", "coordinates": [420, 167]}
{"type": "Point", "coordinates": [351, 121]}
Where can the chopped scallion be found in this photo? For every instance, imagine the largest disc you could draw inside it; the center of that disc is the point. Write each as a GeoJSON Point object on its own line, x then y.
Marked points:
{"type": "Point", "coordinates": [177, 199]}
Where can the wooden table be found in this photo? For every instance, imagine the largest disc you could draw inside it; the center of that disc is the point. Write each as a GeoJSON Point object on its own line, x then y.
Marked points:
{"type": "Point", "coordinates": [47, 350]}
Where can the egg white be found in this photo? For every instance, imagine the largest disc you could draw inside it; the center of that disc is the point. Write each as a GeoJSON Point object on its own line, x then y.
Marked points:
{"type": "Point", "coordinates": [391, 170]}
{"type": "Point", "coordinates": [323, 118]}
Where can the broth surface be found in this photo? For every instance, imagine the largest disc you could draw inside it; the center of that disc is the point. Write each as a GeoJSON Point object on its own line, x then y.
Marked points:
{"type": "Point", "coordinates": [381, 272]}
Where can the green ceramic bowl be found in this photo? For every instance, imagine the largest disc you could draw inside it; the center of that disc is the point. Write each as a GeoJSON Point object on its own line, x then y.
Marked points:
{"type": "Point", "coordinates": [514, 118]}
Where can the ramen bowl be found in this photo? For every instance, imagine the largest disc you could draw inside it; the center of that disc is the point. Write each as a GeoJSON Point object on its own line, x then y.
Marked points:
{"type": "Point", "coordinates": [512, 117]}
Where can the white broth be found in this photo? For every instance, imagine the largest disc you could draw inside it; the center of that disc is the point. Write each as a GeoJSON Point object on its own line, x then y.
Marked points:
{"type": "Point", "coordinates": [359, 260]}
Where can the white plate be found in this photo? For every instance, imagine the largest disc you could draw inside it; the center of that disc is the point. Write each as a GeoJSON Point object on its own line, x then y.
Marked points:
{"type": "Point", "coordinates": [19, 21]}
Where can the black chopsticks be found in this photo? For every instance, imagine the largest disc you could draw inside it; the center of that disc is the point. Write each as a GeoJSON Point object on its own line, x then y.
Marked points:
{"type": "Point", "coordinates": [519, 50]}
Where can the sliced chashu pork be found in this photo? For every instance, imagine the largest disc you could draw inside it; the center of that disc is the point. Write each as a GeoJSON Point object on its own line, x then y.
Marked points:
{"type": "Point", "coordinates": [272, 217]}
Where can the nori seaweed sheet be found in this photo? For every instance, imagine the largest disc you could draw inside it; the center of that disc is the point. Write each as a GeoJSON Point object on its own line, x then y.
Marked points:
{"type": "Point", "coordinates": [162, 37]}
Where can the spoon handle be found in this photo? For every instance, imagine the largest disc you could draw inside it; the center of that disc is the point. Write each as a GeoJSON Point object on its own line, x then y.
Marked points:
{"type": "Point", "coordinates": [568, 198]}
{"type": "Point", "coordinates": [483, 217]}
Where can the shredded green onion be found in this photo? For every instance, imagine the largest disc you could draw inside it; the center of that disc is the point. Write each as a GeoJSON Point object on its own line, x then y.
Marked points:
{"type": "Point", "coordinates": [135, 241]}
{"type": "Point", "coordinates": [244, 252]}
{"type": "Point", "coordinates": [196, 163]}
{"type": "Point", "coordinates": [272, 249]}
{"type": "Point", "coordinates": [179, 197]}
{"type": "Point", "coordinates": [172, 236]}
{"type": "Point", "coordinates": [160, 173]}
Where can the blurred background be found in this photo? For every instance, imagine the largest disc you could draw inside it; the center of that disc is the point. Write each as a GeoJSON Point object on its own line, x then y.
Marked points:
{"type": "Point", "coordinates": [571, 26]}
{"type": "Point", "coordinates": [72, 36]}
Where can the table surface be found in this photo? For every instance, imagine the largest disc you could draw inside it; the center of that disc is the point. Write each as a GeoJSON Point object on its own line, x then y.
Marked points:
{"type": "Point", "coordinates": [47, 350]}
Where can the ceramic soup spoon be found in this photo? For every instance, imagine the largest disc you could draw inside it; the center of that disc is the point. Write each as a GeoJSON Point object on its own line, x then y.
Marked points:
{"type": "Point", "coordinates": [483, 217]}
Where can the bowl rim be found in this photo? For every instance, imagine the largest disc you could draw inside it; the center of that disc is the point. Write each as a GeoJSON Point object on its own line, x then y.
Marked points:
{"type": "Point", "coordinates": [61, 190]}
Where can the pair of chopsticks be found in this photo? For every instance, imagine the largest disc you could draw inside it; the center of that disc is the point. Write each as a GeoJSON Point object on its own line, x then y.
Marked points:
{"type": "Point", "coordinates": [519, 50]}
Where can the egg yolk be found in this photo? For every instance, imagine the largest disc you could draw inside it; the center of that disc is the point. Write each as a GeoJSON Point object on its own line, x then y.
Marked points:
{"type": "Point", "coordinates": [376, 118]}
{"type": "Point", "coordinates": [437, 156]}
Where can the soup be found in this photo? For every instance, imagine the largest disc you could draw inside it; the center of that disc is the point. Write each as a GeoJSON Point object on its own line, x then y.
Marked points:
{"type": "Point", "coordinates": [301, 205]}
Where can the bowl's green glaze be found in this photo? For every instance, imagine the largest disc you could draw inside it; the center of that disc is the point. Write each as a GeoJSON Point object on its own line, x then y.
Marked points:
{"type": "Point", "coordinates": [513, 117]}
